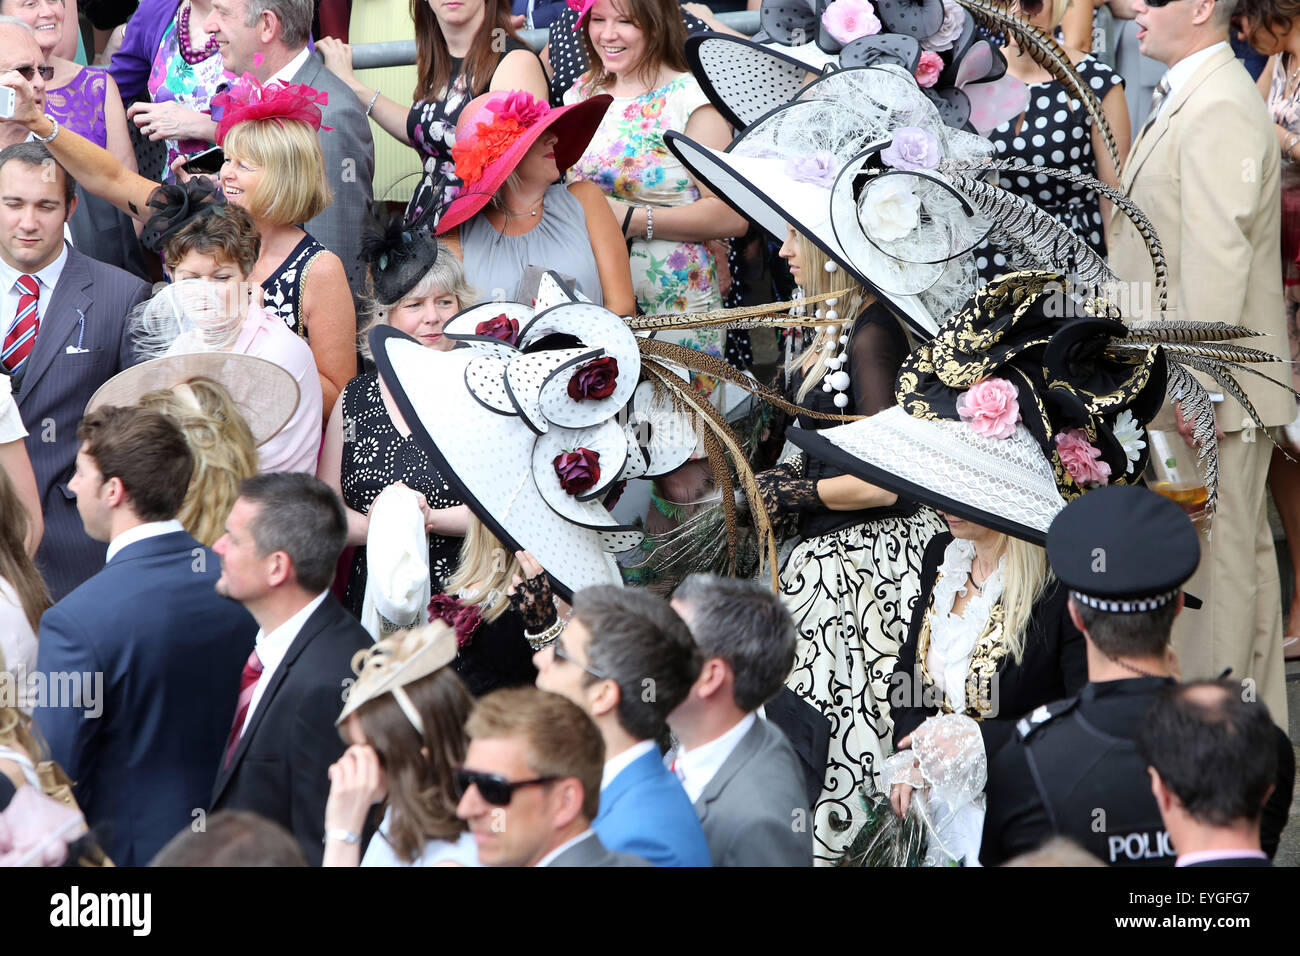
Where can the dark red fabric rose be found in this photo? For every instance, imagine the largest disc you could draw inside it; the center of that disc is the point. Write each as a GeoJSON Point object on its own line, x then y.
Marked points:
{"type": "Point", "coordinates": [596, 379]}
{"type": "Point", "coordinates": [579, 470]}
{"type": "Point", "coordinates": [614, 494]}
{"type": "Point", "coordinates": [464, 619]}
{"type": "Point", "coordinates": [507, 330]}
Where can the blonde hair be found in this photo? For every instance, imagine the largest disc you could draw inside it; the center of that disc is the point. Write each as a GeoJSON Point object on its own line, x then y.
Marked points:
{"type": "Point", "coordinates": [1058, 11]}
{"type": "Point", "coordinates": [19, 732]}
{"type": "Point", "coordinates": [486, 566]}
{"type": "Point", "coordinates": [223, 449]}
{"type": "Point", "coordinates": [293, 188]}
{"type": "Point", "coordinates": [447, 275]}
{"type": "Point", "coordinates": [1025, 575]}
{"type": "Point", "coordinates": [848, 307]}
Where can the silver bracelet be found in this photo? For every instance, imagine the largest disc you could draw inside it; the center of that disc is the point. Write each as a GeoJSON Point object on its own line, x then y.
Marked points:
{"type": "Point", "coordinates": [53, 133]}
{"type": "Point", "coordinates": [372, 102]}
{"type": "Point", "coordinates": [346, 836]}
{"type": "Point", "coordinates": [1288, 145]}
{"type": "Point", "coordinates": [542, 638]}
{"type": "Point", "coordinates": [649, 223]}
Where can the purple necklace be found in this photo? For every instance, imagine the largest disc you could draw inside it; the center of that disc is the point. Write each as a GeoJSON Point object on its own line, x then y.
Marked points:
{"type": "Point", "coordinates": [191, 55]}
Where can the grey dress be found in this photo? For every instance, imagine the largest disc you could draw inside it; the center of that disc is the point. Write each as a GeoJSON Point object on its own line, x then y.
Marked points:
{"type": "Point", "coordinates": [494, 264]}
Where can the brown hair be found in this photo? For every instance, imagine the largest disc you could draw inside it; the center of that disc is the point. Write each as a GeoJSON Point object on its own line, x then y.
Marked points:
{"type": "Point", "coordinates": [660, 21]}
{"type": "Point", "coordinates": [232, 838]}
{"type": "Point", "coordinates": [16, 566]}
{"type": "Point", "coordinates": [147, 451]}
{"type": "Point", "coordinates": [225, 233]}
{"type": "Point", "coordinates": [1273, 17]}
{"type": "Point", "coordinates": [223, 449]}
{"type": "Point", "coordinates": [433, 59]}
{"type": "Point", "coordinates": [421, 789]}
{"type": "Point", "coordinates": [559, 739]}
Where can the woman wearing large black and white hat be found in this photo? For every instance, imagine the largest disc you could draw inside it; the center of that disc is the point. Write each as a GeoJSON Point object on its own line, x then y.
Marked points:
{"type": "Point", "coordinates": [1026, 399]}
{"type": "Point", "coordinates": [854, 575]}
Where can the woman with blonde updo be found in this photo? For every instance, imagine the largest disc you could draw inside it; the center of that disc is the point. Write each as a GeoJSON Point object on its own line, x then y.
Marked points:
{"type": "Point", "coordinates": [224, 451]}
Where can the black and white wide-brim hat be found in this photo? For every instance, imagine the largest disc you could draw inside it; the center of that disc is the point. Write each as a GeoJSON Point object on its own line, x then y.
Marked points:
{"type": "Point", "coordinates": [535, 419]}
{"type": "Point", "coordinates": [816, 164]}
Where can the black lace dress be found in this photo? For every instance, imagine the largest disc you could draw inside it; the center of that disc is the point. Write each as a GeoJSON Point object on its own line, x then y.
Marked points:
{"type": "Point", "coordinates": [376, 455]}
{"type": "Point", "coordinates": [850, 585]}
{"type": "Point", "coordinates": [431, 127]}
{"type": "Point", "coordinates": [497, 656]}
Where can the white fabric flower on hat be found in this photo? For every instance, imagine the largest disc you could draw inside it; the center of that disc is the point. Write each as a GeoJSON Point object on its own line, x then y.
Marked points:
{"type": "Point", "coordinates": [890, 209]}
{"type": "Point", "coordinates": [1129, 434]}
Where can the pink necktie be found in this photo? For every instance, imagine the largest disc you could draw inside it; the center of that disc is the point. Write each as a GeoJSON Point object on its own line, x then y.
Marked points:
{"type": "Point", "coordinates": [247, 681]}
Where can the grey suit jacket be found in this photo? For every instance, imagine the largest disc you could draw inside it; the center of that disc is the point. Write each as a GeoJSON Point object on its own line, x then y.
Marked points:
{"type": "Point", "coordinates": [591, 852]}
{"type": "Point", "coordinates": [87, 311]}
{"type": "Point", "coordinates": [349, 165]}
{"type": "Point", "coordinates": [755, 811]}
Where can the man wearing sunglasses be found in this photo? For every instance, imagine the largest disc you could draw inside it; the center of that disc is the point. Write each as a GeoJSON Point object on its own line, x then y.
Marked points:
{"type": "Point", "coordinates": [530, 785]}
{"type": "Point", "coordinates": [1205, 168]}
{"type": "Point", "coordinates": [20, 54]}
{"type": "Point", "coordinates": [627, 660]}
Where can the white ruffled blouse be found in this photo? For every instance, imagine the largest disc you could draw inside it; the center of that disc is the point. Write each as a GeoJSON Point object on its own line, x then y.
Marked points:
{"type": "Point", "coordinates": [953, 636]}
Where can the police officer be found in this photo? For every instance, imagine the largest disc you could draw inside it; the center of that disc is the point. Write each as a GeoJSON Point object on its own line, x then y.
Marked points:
{"type": "Point", "coordinates": [1072, 768]}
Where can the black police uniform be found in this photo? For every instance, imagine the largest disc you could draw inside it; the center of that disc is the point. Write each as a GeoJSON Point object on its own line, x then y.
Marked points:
{"type": "Point", "coordinates": [1072, 768]}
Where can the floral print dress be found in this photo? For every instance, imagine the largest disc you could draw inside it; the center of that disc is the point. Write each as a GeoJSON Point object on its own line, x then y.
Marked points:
{"type": "Point", "coordinates": [190, 84]}
{"type": "Point", "coordinates": [628, 160]}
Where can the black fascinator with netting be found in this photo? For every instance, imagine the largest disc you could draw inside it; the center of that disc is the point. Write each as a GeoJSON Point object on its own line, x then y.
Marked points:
{"type": "Point", "coordinates": [398, 254]}
{"type": "Point", "coordinates": [176, 204]}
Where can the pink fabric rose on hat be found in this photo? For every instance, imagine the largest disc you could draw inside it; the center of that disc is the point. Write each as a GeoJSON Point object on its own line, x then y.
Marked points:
{"type": "Point", "coordinates": [990, 408]}
{"type": "Point", "coordinates": [949, 32]}
{"type": "Point", "coordinates": [522, 106]}
{"type": "Point", "coordinates": [912, 148]}
{"type": "Point", "coordinates": [578, 470]}
{"type": "Point", "coordinates": [1081, 459]}
{"type": "Point", "coordinates": [928, 69]}
{"type": "Point", "coordinates": [849, 20]}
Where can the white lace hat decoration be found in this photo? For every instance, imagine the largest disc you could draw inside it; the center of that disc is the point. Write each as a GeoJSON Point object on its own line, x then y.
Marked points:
{"type": "Point", "coordinates": [853, 166]}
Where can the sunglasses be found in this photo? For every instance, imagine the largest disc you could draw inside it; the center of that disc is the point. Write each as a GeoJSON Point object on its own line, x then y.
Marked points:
{"type": "Point", "coordinates": [561, 655]}
{"type": "Point", "coordinates": [1157, 3]}
{"type": "Point", "coordinates": [27, 72]}
{"type": "Point", "coordinates": [493, 788]}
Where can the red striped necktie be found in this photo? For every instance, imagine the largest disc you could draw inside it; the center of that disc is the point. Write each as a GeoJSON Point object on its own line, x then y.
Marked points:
{"type": "Point", "coordinates": [247, 681]}
{"type": "Point", "coordinates": [21, 337]}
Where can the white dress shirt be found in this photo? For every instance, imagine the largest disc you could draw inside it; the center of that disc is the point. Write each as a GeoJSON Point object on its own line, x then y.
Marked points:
{"type": "Point", "coordinates": [47, 279]}
{"type": "Point", "coordinates": [141, 532]}
{"type": "Point", "coordinates": [695, 768]}
{"type": "Point", "coordinates": [287, 72]}
{"type": "Point", "coordinates": [616, 765]}
{"type": "Point", "coordinates": [546, 860]}
{"type": "Point", "coordinates": [381, 853]}
{"type": "Point", "coordinates": [1178, 74]}
{"type": "Point", "coordinates": [271, 649]}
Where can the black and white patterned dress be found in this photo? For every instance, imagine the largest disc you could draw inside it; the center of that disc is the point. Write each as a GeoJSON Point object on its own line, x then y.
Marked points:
{"type": "Point", "coordinates": [376, 455]}
{"type": "Point", "coordinates": [851, 585]}
{"type": "Point", "coordinates": [1056, 131]}
{"type": "Point", "coordinates": [282, 292]}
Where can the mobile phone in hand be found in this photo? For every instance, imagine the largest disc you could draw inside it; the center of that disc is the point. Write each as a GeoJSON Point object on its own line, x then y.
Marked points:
{"type": "Point", "coordinates": [207, 162]}
{"type": "Point", "coordinates": [6, 102]}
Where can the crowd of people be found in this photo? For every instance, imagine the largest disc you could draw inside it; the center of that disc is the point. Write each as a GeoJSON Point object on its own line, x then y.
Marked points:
{"type": "Point", "coordinates": [387, 477]}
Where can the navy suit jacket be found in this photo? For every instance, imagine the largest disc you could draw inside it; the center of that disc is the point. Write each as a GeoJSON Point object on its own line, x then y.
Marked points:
{"type": "Point", "coordinates": [645, 812]}
{"type": "Point", "coordinates": [86, 311]}
{"type": "Point", "coordinates": [280, 769]}
{"type": "Point", "coordinates": [143, 746]}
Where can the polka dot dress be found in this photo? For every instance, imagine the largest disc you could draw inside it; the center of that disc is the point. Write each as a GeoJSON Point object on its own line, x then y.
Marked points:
{"type": "Point", "coordinates": [376, 455]}
{"type": "Point", "coordinates": [1056, 131]}
{"type": "Point", "coordinates": [569, 55]}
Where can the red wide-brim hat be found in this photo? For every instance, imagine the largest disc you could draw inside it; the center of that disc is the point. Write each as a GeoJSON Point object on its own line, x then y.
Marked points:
{"type": "Point", "coordinates": [574, 125]}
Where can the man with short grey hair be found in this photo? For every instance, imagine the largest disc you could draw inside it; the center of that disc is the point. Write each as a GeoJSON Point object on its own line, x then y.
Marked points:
{"type": "Point", "coordinates": [282, 542]}
{"type": "Point", "coordinates": [739, 769]}
{"type": "Point", "coordinates": [268, 38]}
{"type": "Point", "coordinates": [19, 51]}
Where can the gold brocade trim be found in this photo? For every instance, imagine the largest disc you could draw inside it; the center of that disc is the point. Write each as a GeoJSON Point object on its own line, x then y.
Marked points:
{"type": "Point", "coordinates": [985, 658]}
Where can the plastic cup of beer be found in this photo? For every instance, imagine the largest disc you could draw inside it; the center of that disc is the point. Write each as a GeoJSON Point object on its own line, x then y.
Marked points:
{"type": "Point", "coordinates": [1175, 471]}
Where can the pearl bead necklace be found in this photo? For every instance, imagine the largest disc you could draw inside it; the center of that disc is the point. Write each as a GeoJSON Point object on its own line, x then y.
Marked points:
{"type": "Point", "coordinates": [837, 378]}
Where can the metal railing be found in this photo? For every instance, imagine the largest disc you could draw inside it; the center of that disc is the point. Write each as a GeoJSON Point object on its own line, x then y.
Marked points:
{"type": "Point", "coordinates": [368, 56]}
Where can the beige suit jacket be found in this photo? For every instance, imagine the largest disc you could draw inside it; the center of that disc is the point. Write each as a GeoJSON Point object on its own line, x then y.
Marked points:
{"type": "Point", "coordinates": [1206, 173]}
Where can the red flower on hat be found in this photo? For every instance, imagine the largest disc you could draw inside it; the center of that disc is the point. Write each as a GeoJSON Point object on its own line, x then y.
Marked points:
{"type": "Point", "coordinates": [507, 330]}
{"type": "Point", "coordinates": [464, 619]}
{"type": "Point", "coordinates": [522, 106]}
{"type": "Point", "coordinates": [578, 470]}
{"type": "Point", "coordinates": [247, 100]}
{"type": "Point", "coordinates": [594, 380]}
{"type": "Point", "coordinates": [488, 144]}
